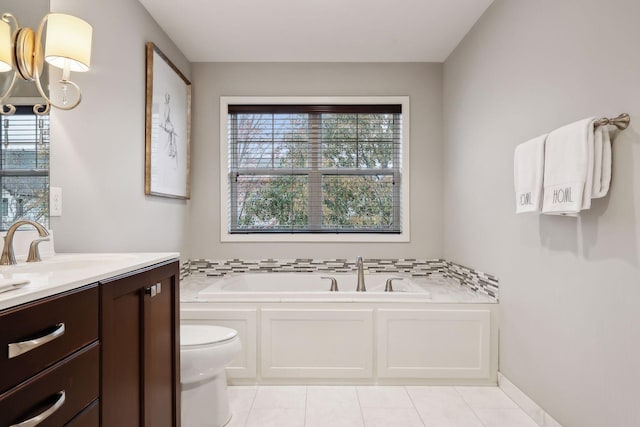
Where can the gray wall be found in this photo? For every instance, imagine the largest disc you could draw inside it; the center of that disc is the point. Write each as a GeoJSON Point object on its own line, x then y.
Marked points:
{"type": "Point", "coordinates": [97, 150]}
{"type": "Point", "coordinates": [570, 288]}
{"type": "Point", "coordinates": [422, 82]}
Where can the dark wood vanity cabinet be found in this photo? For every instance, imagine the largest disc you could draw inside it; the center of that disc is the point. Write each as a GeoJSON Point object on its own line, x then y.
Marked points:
{"type": "Point", "coordinates": [140, 375]}
{"type": "Point", "coordinates": [50, 360]}
{"type": "Point", "coordinates": [105, 354]}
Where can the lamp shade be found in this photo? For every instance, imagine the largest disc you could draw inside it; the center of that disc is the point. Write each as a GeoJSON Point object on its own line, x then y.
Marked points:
{"type": "Point", "coordinates": [68, 40]}
{"type": "Point", "coordinates": [5, 47]}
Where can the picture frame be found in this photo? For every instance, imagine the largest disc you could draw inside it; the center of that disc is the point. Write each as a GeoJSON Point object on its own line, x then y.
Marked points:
{"type": "Point", "coordinates": [168, 128]}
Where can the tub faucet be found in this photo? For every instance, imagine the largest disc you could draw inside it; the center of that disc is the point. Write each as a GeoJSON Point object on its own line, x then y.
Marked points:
{"type": "Point", "coordinates": [360, 267]}
{"type": "Point", "coordinates": [389, 285]}
{"type": "Point", "coordinates": [334, 283]}
{"type": "Point", "coordinates": [8, 255]}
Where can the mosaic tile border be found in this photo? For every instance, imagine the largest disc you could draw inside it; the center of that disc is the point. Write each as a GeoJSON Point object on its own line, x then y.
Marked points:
{"type": "Point", "coordinates": [185, 269]}
{"type": "Point", "coordinates": [475, 280]}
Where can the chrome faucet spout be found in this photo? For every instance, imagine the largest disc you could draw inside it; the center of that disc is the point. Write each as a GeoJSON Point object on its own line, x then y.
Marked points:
{"type": "Point", "coordinates": [360, 267]}
{"type": "Point", "coordinates": [8, 255]}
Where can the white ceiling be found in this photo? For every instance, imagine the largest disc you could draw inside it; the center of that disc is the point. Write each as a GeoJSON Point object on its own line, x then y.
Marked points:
{"type": "Point", "coordinates": [316, 30]}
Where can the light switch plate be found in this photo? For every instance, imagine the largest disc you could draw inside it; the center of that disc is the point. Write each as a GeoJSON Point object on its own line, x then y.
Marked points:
{"type": "Point", "coordinates": [55, 201]}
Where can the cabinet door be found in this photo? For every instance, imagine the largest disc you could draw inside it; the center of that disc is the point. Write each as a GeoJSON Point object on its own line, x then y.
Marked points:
{"type": "Point", "coordinates": [140, 348]}
{"type": "Point", "coordinates": [121, 352]}
{"type": "Point", "coordinates": [158, 366]}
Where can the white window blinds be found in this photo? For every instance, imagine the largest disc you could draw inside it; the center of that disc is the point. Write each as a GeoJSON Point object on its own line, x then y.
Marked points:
{"type": "Point", "coordinates": [314, 168]}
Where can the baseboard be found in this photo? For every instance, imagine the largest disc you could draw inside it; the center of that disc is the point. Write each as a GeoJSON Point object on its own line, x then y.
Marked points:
{"type": "Point", "coordinates": [531, 408]}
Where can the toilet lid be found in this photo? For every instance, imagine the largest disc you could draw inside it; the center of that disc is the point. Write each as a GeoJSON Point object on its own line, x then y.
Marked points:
{"type": "Point", "coordinates": [191, 335]}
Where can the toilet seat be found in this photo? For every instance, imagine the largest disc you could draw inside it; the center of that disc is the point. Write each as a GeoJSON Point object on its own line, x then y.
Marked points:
{"type": "Point", "coordinates": [194, 336]}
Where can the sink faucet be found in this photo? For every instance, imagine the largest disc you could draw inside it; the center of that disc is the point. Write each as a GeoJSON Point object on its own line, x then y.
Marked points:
{"type": "Point", "coordinates": [8, 256]}
{"type": "Point", "coordinates": [360, 267]}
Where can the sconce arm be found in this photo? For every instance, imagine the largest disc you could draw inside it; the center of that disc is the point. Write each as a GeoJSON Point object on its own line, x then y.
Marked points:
{"type": "Point", "coordinates": [40, 109]}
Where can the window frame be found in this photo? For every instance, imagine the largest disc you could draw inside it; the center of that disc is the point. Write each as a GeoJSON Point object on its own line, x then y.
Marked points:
{"type": "Point", "coordinates": [226, 236]}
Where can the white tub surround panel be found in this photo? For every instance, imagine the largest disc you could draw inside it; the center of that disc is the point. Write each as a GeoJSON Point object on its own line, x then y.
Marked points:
{"type": "Point", "coordinates": [316, 343]}
{"type": "Point", "coordinates": [358, 343]}
{"type": "Point", "coordinates": [417, 343]}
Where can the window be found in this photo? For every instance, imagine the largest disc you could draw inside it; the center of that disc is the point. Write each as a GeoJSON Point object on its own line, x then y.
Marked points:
{"type": "Point", "coordinates": [315, 168]}
{"type": "Point", "coordinates": [24, 167]}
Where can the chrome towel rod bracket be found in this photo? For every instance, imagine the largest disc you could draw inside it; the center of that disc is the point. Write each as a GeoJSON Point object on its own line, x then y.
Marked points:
{"type": "Point", "coordinates": [621, 122]}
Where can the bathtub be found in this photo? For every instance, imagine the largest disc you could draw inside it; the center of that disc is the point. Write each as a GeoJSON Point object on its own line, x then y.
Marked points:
{"type": "Point", "coordinates": [286, 287]}
{"type": "Point", "coordinates": [295, 331]}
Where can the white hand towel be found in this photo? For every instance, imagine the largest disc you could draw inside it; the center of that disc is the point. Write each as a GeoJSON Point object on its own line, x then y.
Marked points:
{"type": "Point", "coordinates": [588, 187]}
{"type": "Point", "coordinates": [601, 162]}
{"type": "Point", "coordinates": [568, 168]}
{"type": "Point", "coordinates": [528, 170]}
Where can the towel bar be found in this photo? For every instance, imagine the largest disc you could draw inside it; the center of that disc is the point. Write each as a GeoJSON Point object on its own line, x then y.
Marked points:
{"type": "Point", "coordinates": [621, 122]}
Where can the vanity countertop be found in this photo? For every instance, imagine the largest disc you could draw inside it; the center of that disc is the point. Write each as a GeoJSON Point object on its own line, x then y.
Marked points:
{"type": "Point", "coordinates": [63, 272]}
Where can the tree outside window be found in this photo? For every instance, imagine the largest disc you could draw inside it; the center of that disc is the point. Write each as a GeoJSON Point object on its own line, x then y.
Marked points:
{"type": "Point", "coordinates": [315, 169]}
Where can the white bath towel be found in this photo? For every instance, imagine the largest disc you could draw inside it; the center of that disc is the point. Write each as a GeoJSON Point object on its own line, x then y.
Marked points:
{"type": "Point", "coordinates": [528, 170]}
{"type": "Point", "coordinates": [601, 162]}
{"type": "Point", "coordinates": [568, 170]}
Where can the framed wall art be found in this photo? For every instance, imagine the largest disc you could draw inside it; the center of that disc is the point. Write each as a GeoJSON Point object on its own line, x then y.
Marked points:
{"type": "Point", "coordinates": [168, 128]}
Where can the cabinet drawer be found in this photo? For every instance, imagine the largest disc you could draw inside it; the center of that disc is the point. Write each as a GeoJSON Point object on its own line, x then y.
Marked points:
{"type": "Point", "coordinates": [39, 334]}
{"type": "Point", "coordinates": [90, 417]}
{"type": "Point", "coordinates": [61, 391]}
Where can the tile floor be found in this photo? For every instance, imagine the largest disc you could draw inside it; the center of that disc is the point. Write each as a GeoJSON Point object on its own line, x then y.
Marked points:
{"type": "Point", "coordinates": [373, 406]}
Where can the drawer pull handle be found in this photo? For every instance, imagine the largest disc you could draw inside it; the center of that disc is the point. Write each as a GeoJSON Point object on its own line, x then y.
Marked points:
{"type": "Point", "coordinates": [18, 348]}
{"type": "Point", "coordinates": [31, 422]}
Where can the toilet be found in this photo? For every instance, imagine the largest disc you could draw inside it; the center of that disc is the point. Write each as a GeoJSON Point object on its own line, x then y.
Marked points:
{"type": "Point", "coordinates": [205, 350]}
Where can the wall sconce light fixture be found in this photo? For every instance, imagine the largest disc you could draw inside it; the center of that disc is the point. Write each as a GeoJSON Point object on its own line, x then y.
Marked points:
{"type": "Point", "coordinates": [67, 46]}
